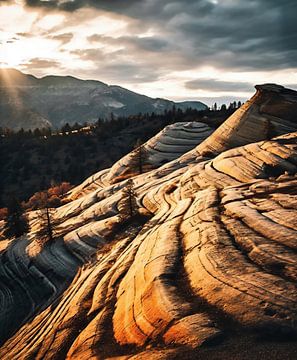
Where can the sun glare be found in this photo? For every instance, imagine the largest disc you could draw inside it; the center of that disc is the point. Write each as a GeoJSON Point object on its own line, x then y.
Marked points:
{"type": "Point", "coordinates": [14, 53]}
{"type": "Point", "coordinates": [10, 56]}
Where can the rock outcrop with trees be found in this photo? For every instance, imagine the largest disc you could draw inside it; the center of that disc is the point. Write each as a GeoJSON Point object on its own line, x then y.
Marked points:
{"type": "Point", "coordinates": [207, 253]}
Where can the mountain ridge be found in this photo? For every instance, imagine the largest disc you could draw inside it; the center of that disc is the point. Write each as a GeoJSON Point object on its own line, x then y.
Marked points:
{"type": "Point", "coordinates": [55, 100]}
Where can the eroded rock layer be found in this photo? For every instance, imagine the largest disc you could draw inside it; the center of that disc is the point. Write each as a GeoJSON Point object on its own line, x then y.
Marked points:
{"type": "Point", "coordinates": [212, 249]}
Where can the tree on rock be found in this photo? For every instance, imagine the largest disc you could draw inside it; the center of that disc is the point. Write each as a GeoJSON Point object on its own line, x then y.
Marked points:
{"type": "Point", "coordinates": [16, 221]}
{"type": "Point", "coordinates": [128, 205]}
{"type": "Point", "coordinates": [140, 157]}
{"type": "Point", "coordinates": [47, 224]}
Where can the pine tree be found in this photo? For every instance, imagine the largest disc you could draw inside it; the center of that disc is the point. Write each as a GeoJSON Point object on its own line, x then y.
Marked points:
{"type": "Point", "coordinates": [140, 157]}
{"type": "Point", "coordinates": [47, 224]}
{"type": "Point", "coordinates": [46, 230]}
{"type": "Point", "coordinates": [128, 205]}
{"type": "Point", "coordinates": [66, 129]}
{"type": "Point", "coordinates": [16, 221]}
{"type": "Point", "coordinates": [37, 133]}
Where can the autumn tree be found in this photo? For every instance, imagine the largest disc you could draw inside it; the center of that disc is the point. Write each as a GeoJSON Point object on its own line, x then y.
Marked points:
{"type": "Point", "coordinates": [54, 197]}
{"type": "Point", "coordinates": [3, 213]}
{"type": "Point", "coordinates": [16, 220]}
{"type": "Point", "coordinates": [60, 190]}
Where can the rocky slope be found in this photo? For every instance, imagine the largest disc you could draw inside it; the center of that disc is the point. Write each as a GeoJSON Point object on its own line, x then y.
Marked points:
{"type": "Point", "coordinates": [28, 102]}
{"type": "Point", "coordinates": [211, 255]}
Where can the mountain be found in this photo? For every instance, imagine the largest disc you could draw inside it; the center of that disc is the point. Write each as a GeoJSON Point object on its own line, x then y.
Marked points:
{"type": "Point", "coordinates": [207, 263]}
{"type": "Point", "coordinates": [29, 102]}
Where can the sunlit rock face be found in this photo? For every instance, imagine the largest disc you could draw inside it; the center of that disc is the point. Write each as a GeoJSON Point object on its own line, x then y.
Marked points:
{"type": "Point", "coordinates": [212, 252]}
{"type": "Point", "coordinates": [270, 112]}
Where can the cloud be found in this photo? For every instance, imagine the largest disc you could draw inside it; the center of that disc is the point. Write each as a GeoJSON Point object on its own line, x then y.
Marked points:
{"type": "Point", "coordinates": [239, 34]}
{"type": "Point", "coordinates": [92, 54]}
{"type": "Point", "coordinates": [245, 35]}
{"type": "Point", "coordinates": [63, 38]}
{"type": "Point", "coordinates": [161, 39]}
{"type": "Point", "coordinates": [149, 43]}
{"type": "Point", "coordinates": [39, 63]}
{"type": "Point", "coordinates": [216, 85]}
{"type": "Point", "coordinates": [24, 34]}
{"type": "Point", "coordinates": [131, 73]}
{"type": "Point", "coordinates": [72, 5]}
{"type": "Point", "coordinates": [111, 65]}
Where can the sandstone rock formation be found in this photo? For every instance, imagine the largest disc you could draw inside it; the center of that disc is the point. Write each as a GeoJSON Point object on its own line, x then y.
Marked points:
{"type": "Point", "coordinates": [212, 251]}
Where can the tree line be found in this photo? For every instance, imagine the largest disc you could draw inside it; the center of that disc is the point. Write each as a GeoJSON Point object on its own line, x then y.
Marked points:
{"type": "Point", "coordinates": [103, 126]}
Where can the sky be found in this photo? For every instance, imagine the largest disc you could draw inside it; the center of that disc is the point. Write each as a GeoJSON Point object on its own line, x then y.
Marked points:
{"type": "Point", "coordinates": [208, 50]}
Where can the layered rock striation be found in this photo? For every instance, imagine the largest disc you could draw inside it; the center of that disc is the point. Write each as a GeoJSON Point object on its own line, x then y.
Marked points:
{"type": "Point", "coordinates": [212, 251]}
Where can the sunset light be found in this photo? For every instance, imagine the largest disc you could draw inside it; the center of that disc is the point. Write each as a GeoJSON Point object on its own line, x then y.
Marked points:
{"type": "Point", "coordinates": [138, 52]}
{"type": "Point", "coordinates": [148, 188]}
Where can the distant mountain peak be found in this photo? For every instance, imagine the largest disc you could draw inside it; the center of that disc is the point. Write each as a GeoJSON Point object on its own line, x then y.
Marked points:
{"type": "Point", "coordinates": [57, 100]}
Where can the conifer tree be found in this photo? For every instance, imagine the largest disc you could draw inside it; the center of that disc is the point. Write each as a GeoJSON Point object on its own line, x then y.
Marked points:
{"type": "Point", "coordinates": [128, 205]}
{"type": "Point", "coordinates": [16, 221]}
{"type": "Point", "coordinates": [140, 157]}
{"type": "Point", "coordinates": [47, 224]}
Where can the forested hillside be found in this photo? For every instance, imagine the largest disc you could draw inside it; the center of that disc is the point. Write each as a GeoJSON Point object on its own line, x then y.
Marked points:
{"type": "Point", "coordinates": [35, 160]}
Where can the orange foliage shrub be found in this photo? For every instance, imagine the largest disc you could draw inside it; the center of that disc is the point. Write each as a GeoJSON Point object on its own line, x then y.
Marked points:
{"type": "Point", "coordinates": [3, 213]}
{"type": "Point", "coordinates": [53, 197]}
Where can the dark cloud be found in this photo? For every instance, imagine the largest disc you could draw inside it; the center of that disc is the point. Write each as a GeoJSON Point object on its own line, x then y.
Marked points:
{"type": "Point", "coordinates": [239, 35]}
{"type": "Point", "coordinates": [243, 35]}
{"type": "Point", "coordinates": [215, 85]}
{"type": "Point", "coordinates": [72, 5]}
{"type": "Point", "coordinates": [147, 43]}
{"type": "Point", "coordinates": [150, 44]}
